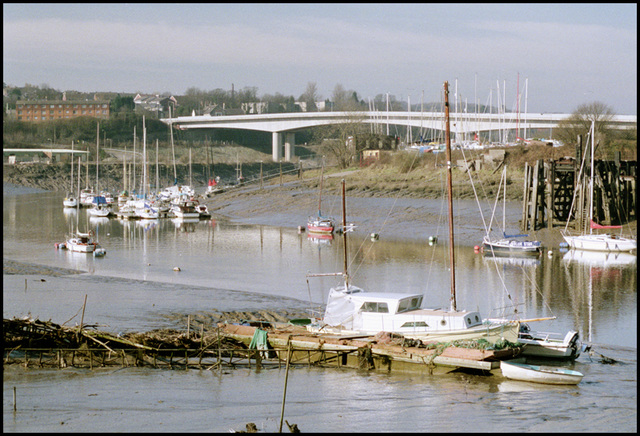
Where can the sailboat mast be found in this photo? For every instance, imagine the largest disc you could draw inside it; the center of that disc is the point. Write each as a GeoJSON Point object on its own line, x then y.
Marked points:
{"type": "Point", "coordinates": [344, 236]}
{"type": "Point", "coordinates": [173, 151]}
{"type": "Point", "coordinates": [449, 195]}
{"type": "Point", "coordinates": [71, 184]}
{"type": "Point", "coordinates": [593, 150]}
{"type": "Point", "coordinates": [97, 157]}
{"type": "Point", "coordinates": [320, 193]}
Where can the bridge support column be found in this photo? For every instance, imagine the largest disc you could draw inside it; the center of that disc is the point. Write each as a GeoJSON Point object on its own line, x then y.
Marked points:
{"type": "Point", "coordinates": [276, 147]}
{"type": "Point", "coordinates": [289, 146]}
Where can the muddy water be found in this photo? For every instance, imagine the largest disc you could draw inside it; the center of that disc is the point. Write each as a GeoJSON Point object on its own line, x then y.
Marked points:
{"type": "Point", "coordinates": [232, 266]}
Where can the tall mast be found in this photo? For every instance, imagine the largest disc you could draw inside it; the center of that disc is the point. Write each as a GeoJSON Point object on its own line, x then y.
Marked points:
{"type": "Point", "coordinates": [593, 149]}
{"type": "Point", "coordinates": [97, 157]}
{"type": "Point", "coordinates": [133, 183]}
{"type": "Point", "coordinates": [320, 193]}
{"type": "Point", "coordinates": [175, 172]}
{"type": "Point", "coordinates": [157, 175]}
{"type": "Point", "coordinates": [144, 159]}
{"type": "Point", "coordinates": [344, 236]}
{"type": "Point", "coordinates": [450, 196]}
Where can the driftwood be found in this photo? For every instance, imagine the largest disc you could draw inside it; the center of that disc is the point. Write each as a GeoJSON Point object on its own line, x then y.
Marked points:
{"type": "Point", "coordinates": [51, 344]}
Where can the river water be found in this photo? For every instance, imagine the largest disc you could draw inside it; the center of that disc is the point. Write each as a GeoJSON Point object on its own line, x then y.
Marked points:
{"type": "Point", "coordinates": [232, 266]}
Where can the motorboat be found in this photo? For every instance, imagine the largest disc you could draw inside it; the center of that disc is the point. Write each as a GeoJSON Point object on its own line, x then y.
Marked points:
{"type": "Point", "coordinates": [550, 345]}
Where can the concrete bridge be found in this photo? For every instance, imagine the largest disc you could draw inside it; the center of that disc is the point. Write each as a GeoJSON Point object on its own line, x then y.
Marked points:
{"type": "Point", "coordinates": [283, 126]}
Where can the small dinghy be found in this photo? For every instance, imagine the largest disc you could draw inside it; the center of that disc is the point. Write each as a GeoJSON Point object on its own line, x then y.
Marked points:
{"type": "Point", "coordinates": [540, 374]}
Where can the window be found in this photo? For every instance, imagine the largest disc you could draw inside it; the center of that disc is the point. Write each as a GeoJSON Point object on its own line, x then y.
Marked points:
{"type": "Point", "coordinates": [415, 324]}
{"type": "Point", "coordinates": [372, 306]}
{"type": "Point", "coordinates": [408, 304]}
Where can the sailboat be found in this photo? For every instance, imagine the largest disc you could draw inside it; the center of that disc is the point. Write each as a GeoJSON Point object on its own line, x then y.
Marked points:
{"type": "Point", "coordinates": [352, 311]}
{"type": "Point", "coordinates": [319, 223]}
{"type": "Point", "coordinates": [594, 241]}
{"type": "Point", "coordinates": [508, 244]}
{"type": "Point", "coordinates": [81, 242]}
{"type": "Point", "coordinates": [71, 200]}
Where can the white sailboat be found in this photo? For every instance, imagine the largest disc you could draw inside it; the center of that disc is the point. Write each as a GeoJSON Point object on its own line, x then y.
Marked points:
{"type": "Point", "coordinates": [81, 242]}
{"type": "Point", "coordinates": [508, 245]}
{"type": "Point", "coordinates": [594, 241]}
{"type": "Point", "coordinates": [320, 224]}
{"type": "Point", "coordinates": [71, 200]}
{"type": "Point", "coordinates": [352, 311]}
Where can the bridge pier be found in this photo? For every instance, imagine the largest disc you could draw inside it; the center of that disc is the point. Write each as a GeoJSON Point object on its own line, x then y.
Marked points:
{"type": "Point", "coordinates": [289, 146]}
{"type": "Point", "coordinates": [277, 146]}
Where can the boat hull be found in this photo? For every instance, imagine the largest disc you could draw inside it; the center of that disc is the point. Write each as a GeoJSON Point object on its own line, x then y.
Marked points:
{"type": "Point", "coordinates": [492, 333]}
{"type": "Point", "coordinates": [79, 247]}
{"type": "Point", "coordinates": [540, 374]}
{"type": "Point", "coordinates": [600, 243]}
{"type": "Point", "coordinates": [569, 347]}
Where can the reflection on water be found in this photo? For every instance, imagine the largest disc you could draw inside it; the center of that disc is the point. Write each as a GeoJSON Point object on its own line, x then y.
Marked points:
{"type": "Point", "coordinates": [226, 266]}
{"type": "Point", "coordinates": [575, 287]}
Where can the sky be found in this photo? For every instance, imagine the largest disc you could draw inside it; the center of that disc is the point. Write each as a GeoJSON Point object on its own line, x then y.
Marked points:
{"type": "Point", "coordinates": [555, 57]}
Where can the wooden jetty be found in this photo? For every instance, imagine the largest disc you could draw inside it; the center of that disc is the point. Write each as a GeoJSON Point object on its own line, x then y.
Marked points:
{"type": "Point", "coordinates": [550, 187]}
{"type": "Point", "coordinates": [382, 352]}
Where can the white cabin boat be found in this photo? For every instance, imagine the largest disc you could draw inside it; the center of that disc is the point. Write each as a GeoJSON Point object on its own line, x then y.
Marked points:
{"type": "Point", "coordinates": [185, 210]}
{"type": "Point", "coordinates": [81, 243]}
{"type": "Point", "coordinates": [540, 373]}
{"type": "Point", "coordinates": [356, 312]}
{"type": "Point", "coordinates": [86, 197]}
{"type": "Point", "coordinates": [550, 345]}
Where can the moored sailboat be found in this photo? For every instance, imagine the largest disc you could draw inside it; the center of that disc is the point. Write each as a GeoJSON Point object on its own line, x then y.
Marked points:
{"type": "Point", "coordinates": [320, 224]}
{"type": "Point", "coordinates": [351, 311]}
{"type": "Point", "coordinates": [597, 241]}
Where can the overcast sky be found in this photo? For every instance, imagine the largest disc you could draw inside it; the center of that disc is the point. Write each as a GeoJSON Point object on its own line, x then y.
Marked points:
{"type": "Point", "coordinates": [565, 54]}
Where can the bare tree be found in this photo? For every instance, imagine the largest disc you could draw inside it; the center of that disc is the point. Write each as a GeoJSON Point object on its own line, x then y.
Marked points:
{"type": "Point", "coordinates": [310, 96]}
{"type": "Point", "coordinates": [338, 141]}
{"type": "Point", "coordinates": [580, 120]}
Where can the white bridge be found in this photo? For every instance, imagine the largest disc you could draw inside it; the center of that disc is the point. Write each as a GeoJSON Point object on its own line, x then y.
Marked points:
{"type": "Point", "coordinates": [283, 126]}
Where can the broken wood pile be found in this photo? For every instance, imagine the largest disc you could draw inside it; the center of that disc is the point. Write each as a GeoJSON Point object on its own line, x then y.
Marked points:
{"type": "Point", "coordinates": [47, 344]}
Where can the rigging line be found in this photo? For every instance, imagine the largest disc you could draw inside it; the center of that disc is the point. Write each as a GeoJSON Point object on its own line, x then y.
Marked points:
{"type": "Point", "coordinates": [395, 200]}
{"type": "Point", "coordinates": [584, 155]}
{"type": "Point", "coordinates": [473, 186]}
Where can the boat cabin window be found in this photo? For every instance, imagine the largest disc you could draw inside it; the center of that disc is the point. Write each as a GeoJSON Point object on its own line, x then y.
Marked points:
{"type": "Point", "coordinates": [415, 324]}
{"type": "Point", "coordinates": [409, 304]}
{"type": "Point", "coordinates": [373, 306]}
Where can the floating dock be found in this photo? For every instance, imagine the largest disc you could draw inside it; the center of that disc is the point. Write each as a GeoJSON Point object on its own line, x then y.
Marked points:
{"type": "Point", "coordinates": [365, 352]}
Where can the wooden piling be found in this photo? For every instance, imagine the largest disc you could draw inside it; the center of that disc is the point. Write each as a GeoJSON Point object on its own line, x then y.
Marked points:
{"type": "Point", "coordinates": [286, 379]}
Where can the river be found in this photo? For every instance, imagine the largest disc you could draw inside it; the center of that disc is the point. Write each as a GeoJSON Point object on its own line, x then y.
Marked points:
{"type": "Point", "coordinates": [227, 265]}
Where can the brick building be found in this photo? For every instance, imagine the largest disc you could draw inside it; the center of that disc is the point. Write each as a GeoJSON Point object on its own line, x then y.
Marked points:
{"type": "Point", "coordinates": [45, 110]}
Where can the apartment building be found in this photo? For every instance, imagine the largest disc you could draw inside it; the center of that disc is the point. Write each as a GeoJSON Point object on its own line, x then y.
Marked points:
{"type": "Point", "coordinates": [45, 110]}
